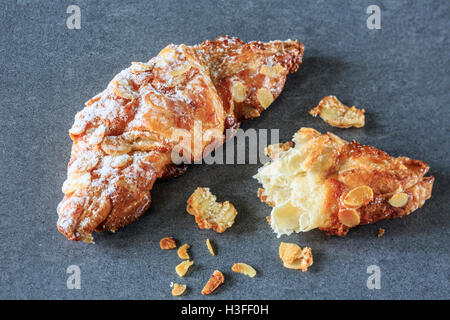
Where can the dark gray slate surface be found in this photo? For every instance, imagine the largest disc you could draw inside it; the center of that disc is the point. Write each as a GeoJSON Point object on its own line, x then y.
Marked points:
{"type": "Point", "coordinates": [399, 74]}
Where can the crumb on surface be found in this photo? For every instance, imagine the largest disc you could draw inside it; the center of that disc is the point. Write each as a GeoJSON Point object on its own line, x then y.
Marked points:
{"type": "Point", "coordinates": [208, 213]}
{"type": "Point", "coordinates": [294, 257]}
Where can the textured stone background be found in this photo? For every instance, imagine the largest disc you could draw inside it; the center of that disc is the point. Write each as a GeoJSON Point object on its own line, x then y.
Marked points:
{"type": "Point", "coordinates": [399, 74]}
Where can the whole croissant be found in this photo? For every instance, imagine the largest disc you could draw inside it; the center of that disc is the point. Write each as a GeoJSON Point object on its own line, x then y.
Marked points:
{"type": "Point", "coordinates": [123, 139]}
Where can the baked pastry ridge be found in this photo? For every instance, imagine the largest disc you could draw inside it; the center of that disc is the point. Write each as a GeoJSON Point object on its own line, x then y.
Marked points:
{"type": "Point", "coordinates": [123, 138]}
{"type": "Point", "coordinates": [328, 183]}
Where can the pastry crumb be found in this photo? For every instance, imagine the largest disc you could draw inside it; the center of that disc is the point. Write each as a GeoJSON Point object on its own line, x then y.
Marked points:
{"type": "Point", "coordinates": [380, 232]}
{"type": "Point", "coordinates": [208, 213]}
{"type": "Point", "coordinates": [167, 243]}
{"type": "Point", "coordinates": [244, 269]}
{"type": "Point", "coordinates": [294, 257]}
{"type": "Point", "coordinates": [214, 282]}
{"type": "Point", "coordinates": [274, 151]}
{"type": "Point", "coordinates": [336, 114]}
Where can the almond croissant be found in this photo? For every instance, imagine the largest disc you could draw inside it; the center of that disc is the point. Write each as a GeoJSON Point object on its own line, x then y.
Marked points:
{"type": "Point", "coordinates": [328, 183]}
{"type": "Point", "coordinates": [124, 137]}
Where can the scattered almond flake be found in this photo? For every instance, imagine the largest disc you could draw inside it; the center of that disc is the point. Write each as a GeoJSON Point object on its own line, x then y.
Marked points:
{"type": "Point", "coordinates": [268, 220]}
{"type": "Point", "coordinates": [335, 113]}
{"type": "Point", "coordinates": [182, 251]}
{"type": "Point", "coordinates": [209, 213]}
{"type": "Point", "coordinates": [178, 289]}
{"type": "Point", "coordinates": [214, 282]}
{"type": "Point", "coordinates": [210, 247]}
{"type": "Point", "coordinates": [244, 269]}
{"type": "Point", "coordinates": [294, 257]}
{"type": "Point", "coordinates": [167, 243]}
{"type": "Point", "coordinates": [380, 232]}
{"type": "Point", "coordinates": [182, 268]}
{"type": "Point", "coordinates": [289, 252]}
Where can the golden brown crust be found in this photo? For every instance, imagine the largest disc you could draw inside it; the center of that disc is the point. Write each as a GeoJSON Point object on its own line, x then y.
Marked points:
{"type": "Point", "coordinates": [335, 113]}
{"type": "Point", "coordinates": [123, 138]}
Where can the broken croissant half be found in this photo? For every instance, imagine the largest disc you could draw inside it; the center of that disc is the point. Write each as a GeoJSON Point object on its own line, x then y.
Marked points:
{"type": "Point", "coordinates": [328, 183]}
{"type": "Point", "coordinates": [123, 139]}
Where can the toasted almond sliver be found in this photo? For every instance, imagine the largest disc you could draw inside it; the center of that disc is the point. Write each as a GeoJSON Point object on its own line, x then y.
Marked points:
{"type": "Point", "coordinates": [121, 161]}
{"type": "Point", "coordinates": [358, 197]}
{"type": "Point", "coordinates": [142, 66]}
{"type": "Point", "coordinates": [399, 200]}
{"type": "Point", "coordinates": [272, 72]}
{"type": "Point", "coordinates": [244, 269]}
{"type": "Point", "coordinates": [182, 268]}
{"type": "Point", "coordinates": [182, 251]}
{"type": "Point", "coordinates": [178, 289]}
{"type": "Point", "coordinates": [167, 243]}
{"type": "Point", "coordinates": [264, 97]}
{"type": "Point", "coordinates": [75, 183]}
{"type": "Point", "coordinates": [349, 217]}
{"type": "Point", "coordinates": [214, 282]}
{"type": "Point", "coordinates": [120, 93]}
{"type": "Point", "coordinates": [302, 263]}
{"type": "Point", "coordinates": [289, 252]}
{"type": "Point", "coordinates": [238, 91]}
{"type": "Point", "coordinates": [115, 145]}
{"type": "Point", "coordinates": [210, 247]}
{"type": "Point", "coordinates": [183, 69]}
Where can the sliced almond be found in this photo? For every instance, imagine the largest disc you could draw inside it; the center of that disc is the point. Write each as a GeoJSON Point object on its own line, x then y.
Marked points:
{"type": "Point", "coordinates": [141, 66]}
{"type": "Point", "coordinates": [359, 196]}
{"type": "Point", "coordinates": [76, 182]}
{"type": "Point", "coordinates": [264, 97]}
{"type": "Point", "coordinates": [289, 252]}
{"type": "Point", "coordinates": [181, 70]}
{"type": "Point", "coordinates": [178, 289]}
{"type": "Point", "coordinates": [119, 91]}
{"type": "Point", "coordinates": [238, 91]}
{"type": "Point", "coordinates": [349, 217]}
{"type": "Point", "coordinates": [121, 161]}
{"type": "Point", "coordinates": [244, 269]}
{"type": "Point", "coordinates": [272, 72]}
{"type": "Point", "coordinates": [302, 263]}
{"type": "Point", "coordinates": [214, 282]}
{"type": "Point", "coordinates": [182, 251]}
{"type": "Point", "coordinates": [182, 268]}
{"type": "Point", "coordinates": [167, 243]}
{"type": "Point", "coordinates": [399, 200]}
{"type": "Point", "coordinates": [210, 247]}
{"type": "Point", "coordinates": [115, 145]}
